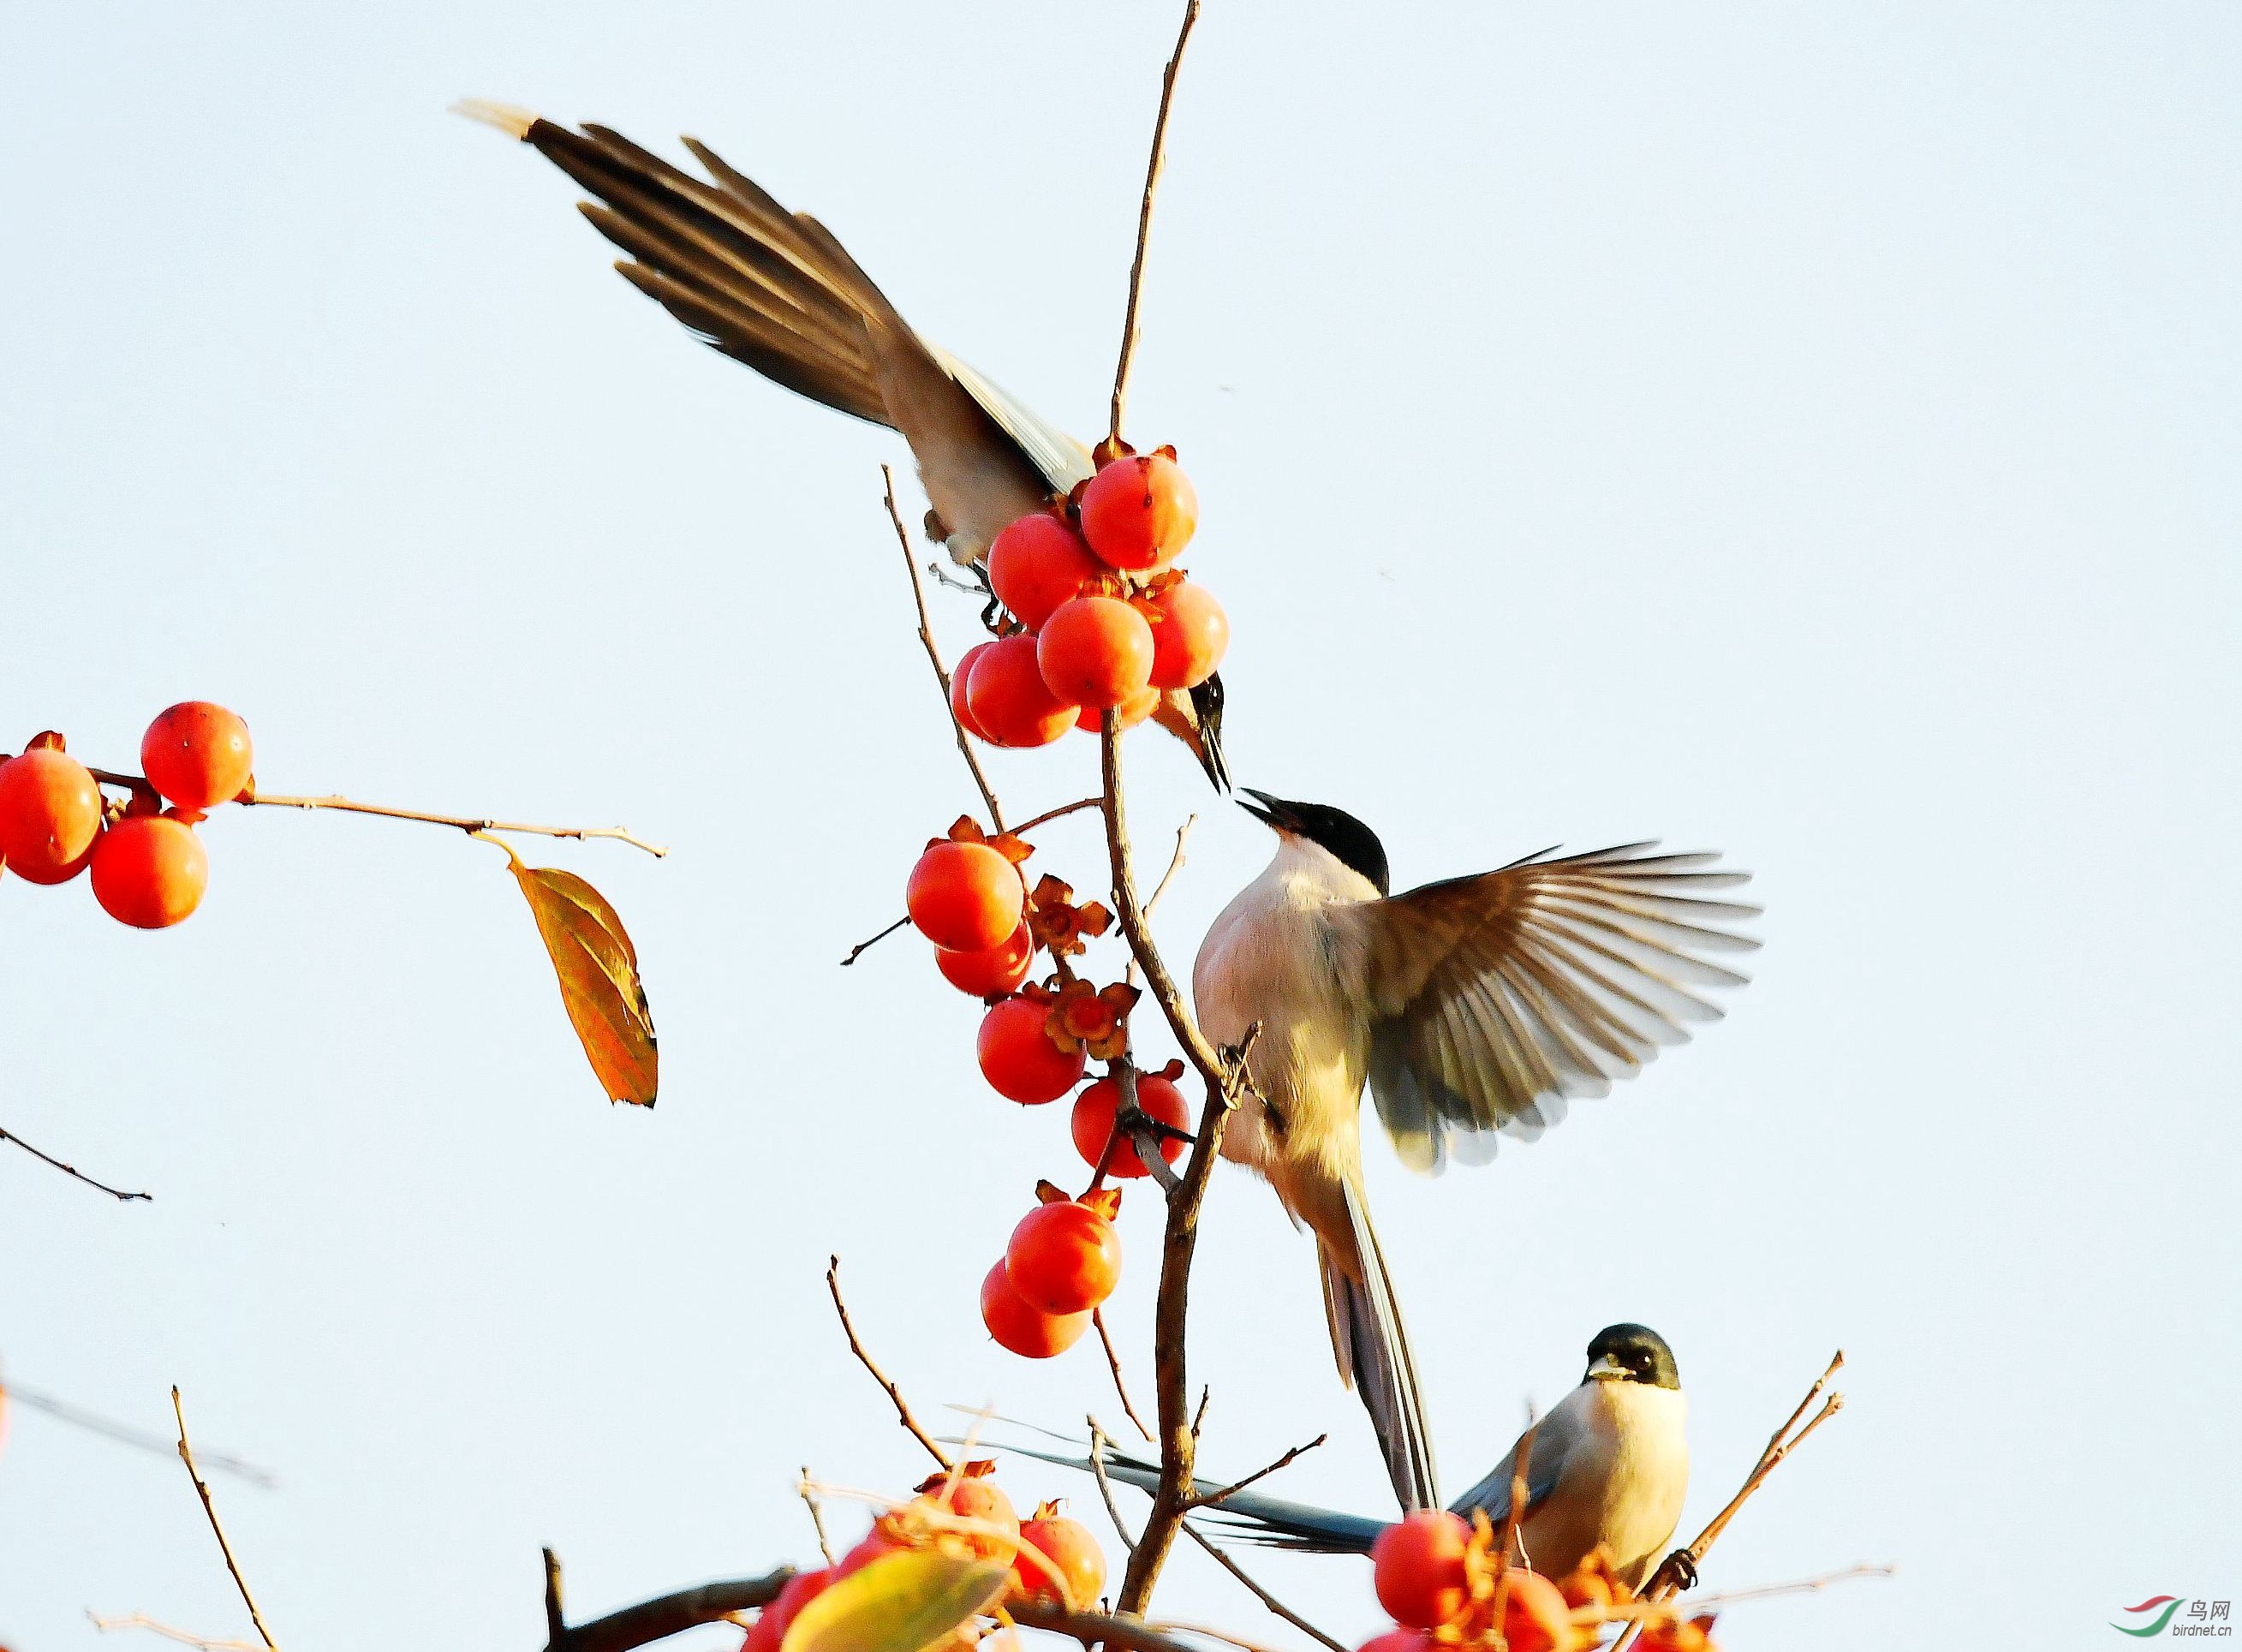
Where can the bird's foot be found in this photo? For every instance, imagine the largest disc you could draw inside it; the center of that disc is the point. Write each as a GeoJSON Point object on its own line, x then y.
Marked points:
{"type": "Point", "coordinates": [1679, 1568]}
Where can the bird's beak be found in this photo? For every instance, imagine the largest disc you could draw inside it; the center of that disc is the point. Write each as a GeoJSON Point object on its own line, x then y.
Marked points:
{"type": "Point", "coordinates": [1194, 716]}
{"type": "Point", "coordinates": [1606, 1369]}
{"type": "Point", "coordinates": [1272, 812]}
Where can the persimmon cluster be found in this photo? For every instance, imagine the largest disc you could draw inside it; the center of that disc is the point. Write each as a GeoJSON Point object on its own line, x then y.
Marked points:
{"type": "Point", "coordinates": [1437, 1576]}
{"type": "Point", "coordinates": [1096, 617]}
{"type": "Point", "coordinates": [148, 867]}
{"type": "Point", "coordinates": [968, 895]}
{"type": "Point", "coordinates": [1053, 1558]}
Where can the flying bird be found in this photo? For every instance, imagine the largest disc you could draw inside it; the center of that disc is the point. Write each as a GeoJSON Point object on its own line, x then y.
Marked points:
{"type": "Point", "coordinates": [775, 290]}
{"type": "Point", "coordinates": [1473, 1007]}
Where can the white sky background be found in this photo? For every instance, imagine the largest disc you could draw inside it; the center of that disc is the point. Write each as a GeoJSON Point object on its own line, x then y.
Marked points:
{"type": "Point", "coordinates": [1812, 436]}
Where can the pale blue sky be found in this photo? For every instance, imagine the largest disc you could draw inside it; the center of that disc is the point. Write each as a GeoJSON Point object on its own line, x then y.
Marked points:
{"type": "Point", "coordinates": [1806, 432]}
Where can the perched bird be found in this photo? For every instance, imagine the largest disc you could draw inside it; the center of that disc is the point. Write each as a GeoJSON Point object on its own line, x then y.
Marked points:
{"type": "Point", "coordinates": [1473, 1006]}
{"type": "Point", "coordinates": [1610, 1466]}
{"type": "Point", "coordinates": [775, 290]}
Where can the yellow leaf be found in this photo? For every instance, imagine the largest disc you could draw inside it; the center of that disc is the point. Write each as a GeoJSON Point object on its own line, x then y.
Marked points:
{"type": "Point", "coordinates": [902, 1603]}
{"type": "Point", "coordinates": [598, 970]}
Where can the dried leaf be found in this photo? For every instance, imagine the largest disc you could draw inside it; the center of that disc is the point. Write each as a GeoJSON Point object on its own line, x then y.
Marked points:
{"type": "Point", "coordinates": [598, 970]}
{"type": "Point", "coordinates": [901, 1602]}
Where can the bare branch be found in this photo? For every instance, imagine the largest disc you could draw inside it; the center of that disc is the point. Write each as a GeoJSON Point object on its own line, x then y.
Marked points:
{"type": "Point", "coordinates": [142, 1620]}
{"type": "Point", "coordinates": [1235, 1487]}
{"type": "Point", "coordinates": [816, 1514]}
{"type": "Point", "coordinates": [1121, 1631]}
{"type": "Point", "coordinates": [187, 1456]}
{"type": "Point", "coordinates": [1113, 1361]}
{"type": "Point", "coordinates": [894, 1394]}
{"type": "Point", "coordinates": [117, 1194]}
{"type": "Point", "coordinates": [1260, 1594]}
{"type": "Point", "coordinates": [1145, 225]}
{"type": "Point", "coordinates": [1063, 810]}
{"type": "Point", "coordinates": [933, 657]}
{"type": "Point", "coordinates": [1175, 865]}
{"type": "Point", "coordinates": [654, 1620]}
{"type": "Point", "coordinates": [1105, 1486]}
{"type": "Point", "coordinates": [863, 947]}
{"type": "Point", "coordinates": [457, 823]}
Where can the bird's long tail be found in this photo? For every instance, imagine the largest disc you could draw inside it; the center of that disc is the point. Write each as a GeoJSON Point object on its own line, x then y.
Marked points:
{"type": "Point", "coordinates": [1373, 1355]}
{"type": "Point", "coordinates": [766, 286]}
{"type": "Point", "coordinates": [1252, 1516]}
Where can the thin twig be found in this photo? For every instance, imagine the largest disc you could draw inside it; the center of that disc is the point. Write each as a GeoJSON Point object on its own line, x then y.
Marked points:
{"type": "Point", "coordinates": [142, 1620]}
{"type": "Point", "coordinates": [556, 1617]}
{"type": "Point", "coordinates": [1145, 225]}
{"type": "Point", "coordinates": [1175, 865]}
{"type": "Point", "coordinates": [1667, 1580]}
{"type": "Point", "coordinates": [1120, 1631]}
{"type": "Point", "coordinates": [458, 823]}
{"type": "Point", "coordinates": [934, 657]}
{"type": "Point", "coordinates": [187, 1456]}
{"type": "Point", "coordinates": [1522, 1454]}
{"type": "Point", "coordinates": [817, 1515]}
{"type": "Point", "coordinates": [1217, 1499]}
{"type": "Point", "coordinates": [1260, 1594]}
{"type": "Point", "coordinates": [117, 1194]}
{"type": "Point", "coordinates": [1113, 1360]}
{"type": "Point", "coordinates": [903, 1410]}
{"type": "Point", "coordinates": [140, 1439]}
{"type": "Point", "coordinates": [863, 947]}
{"type": "Point", "coordinates": [1063, 810]}
{"type": "Point", "coordinates": [1105, 1486]}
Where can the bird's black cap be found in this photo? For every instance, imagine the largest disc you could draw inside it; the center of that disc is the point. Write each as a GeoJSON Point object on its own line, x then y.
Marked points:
{"type": "Point", "coordinates": [1639, 1353]}
{"type": "Point", "coordinates": [1354, 843]}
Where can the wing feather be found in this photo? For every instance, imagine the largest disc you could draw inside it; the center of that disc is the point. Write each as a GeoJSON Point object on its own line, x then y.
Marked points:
{"type": "Point", "coordinates": [1499, 997]}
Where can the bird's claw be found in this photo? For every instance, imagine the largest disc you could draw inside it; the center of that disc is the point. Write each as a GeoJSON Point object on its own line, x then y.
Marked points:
{"type": "Point", "coordinates": [1679, 1568]}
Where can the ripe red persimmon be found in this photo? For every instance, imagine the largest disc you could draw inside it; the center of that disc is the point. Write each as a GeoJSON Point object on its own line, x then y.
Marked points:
{"type": "Point", "coordinates": [1037, 563]}
{"type": "Point", "coordinates": [1134, 710]}
{"type": "Point", "coordinates": [768, 1632]}
{"type": "Point", "coordinates": [49, 810]}
{"type": "Point", "coordinates": [1094, 1109]}
{"type": "Point", "coordinates": [1064, 1258]}
{"type": "Point", "coordinates": [31, 873]}
{"type": "Point", "coordinates": [149, 871]}
{"type": "Point", "coordinates": [1069, 1546]}
{"type": "Point", "coordinates": [1191, 638]}
{"type": "Point", "coordinates": [197, 753]}
{"type": "Point", "coordinates": [979, 1499]}
{"type": "Point", "coordinates": [965, 897]}
{"type": "Point", "coordinates": [1418, 1568]}
{"type": "Point", "coordinates": [1138, 512]}
{"type": "Point", "coordinates": [1398, 1640]}
{"type": "Point", "coordinates": [1019, 1058]}
{"type": "Point", "coordinates": [1026, 1331]}
{"type": "Point", "coordinates": [1095, 651]}
{"type": "Point", "coordinates": [1535, 1617]}
{"type": "Point", "coordinates": [959, 706]}
{"type": "Point", "coordinates": [1008, 698]}
{"type": "Point", "coordinates": [990, 973]}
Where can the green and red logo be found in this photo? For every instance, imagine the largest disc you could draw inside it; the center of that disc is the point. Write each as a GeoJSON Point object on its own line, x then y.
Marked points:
{"type": "Point", "coordinates": [2162, 1605]}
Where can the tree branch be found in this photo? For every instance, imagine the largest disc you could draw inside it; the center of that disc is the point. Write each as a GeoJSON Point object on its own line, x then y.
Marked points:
{"type": "Point", "coordinates": [657, 1619]}
{"type": "Point", "coordinates": [1260, 1594]}
{"type": "Point", "coordinates": [894, 1394]}
{"type": "Point", "coordinates": [1217, 1499]}
{"type": "Point", "coordinates": [117, 1194]}
{"type": "Point", "coordinates": [1175, 865]}
{"type": "Point", "coordinates": [187, 1456]}
{"type": "Point", "coordinates": [933, 657]}
{"type": "Point", "coordinates": [1152, 168]}
{"type": "Point", "coordinates": [1113, 1361]}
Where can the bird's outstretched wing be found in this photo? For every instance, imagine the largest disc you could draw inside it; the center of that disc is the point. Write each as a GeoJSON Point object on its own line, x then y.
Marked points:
{"type": "Point", "coordinates": [1496, 998]}
{"type": "Point", "coordinates": [773, 289]}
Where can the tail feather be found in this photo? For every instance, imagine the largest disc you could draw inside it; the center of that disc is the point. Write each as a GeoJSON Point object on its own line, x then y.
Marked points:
{"type": "Point", "coordinates": [1372, 1350]}
{"type": "Point", "coordinates": [1248, 1516]}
